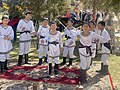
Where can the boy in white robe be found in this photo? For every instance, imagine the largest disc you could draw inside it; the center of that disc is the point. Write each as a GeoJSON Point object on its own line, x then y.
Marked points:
{"type": "Point", "coordinates": [105, 48]}
{"type": "Point", "coordinates": [70, 35]}
{"type": "Point", "coordinates": [42, 33]}
{"type": "Point", "coordinates": [85, 49]}
{"type": "Point", "coordinates": [55, 42]}
{"type": "Point", "coordinates": [25, 27]}
{"type": "Point", "coordinates": [6, 35]}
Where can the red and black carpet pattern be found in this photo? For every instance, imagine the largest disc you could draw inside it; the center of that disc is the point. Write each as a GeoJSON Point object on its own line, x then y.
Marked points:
{"type": "Point", "coordinates": [40, 73]}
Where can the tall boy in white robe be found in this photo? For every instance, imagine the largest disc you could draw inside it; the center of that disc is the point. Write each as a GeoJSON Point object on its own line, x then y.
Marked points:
{"type": "Point", "coordinates": [70, 35]}
{"type": "Point", "coordinates": [42, 33]}
{"type": "Point", "coordinates": [25, 27]}
{"type": "Point", "coordinates": [105, 48]}
{"type": "Point", "coordinates": [55, 44]}
{"type": "Point", "coordinates": [6, 35]}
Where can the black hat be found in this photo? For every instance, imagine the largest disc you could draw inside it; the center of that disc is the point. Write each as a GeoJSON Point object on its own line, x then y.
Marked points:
{"type": "Point", "coordinates": [45, 19]}
{"type": "Point", "coordinates": [27, 12]}
{"type": "Point", "coordinates": [53, 22]}
{"type": "Point", "coordinates": [71, 20]}
{"type": "Point", "coordinates": [5, 16]}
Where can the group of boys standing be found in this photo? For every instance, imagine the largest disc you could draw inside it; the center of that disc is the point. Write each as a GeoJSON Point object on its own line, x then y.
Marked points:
{"type": "Point", "coordinates": [50, 43]}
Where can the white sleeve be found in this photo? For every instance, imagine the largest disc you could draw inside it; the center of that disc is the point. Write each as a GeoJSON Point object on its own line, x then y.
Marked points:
{"type": "Point", "coordinates": [19, 26]}
{"type": "Point", "coordinates": [32, 28]}
{"type": "Point", "coordinates": [12, 34]}
{"type": "Point", "coordinates": [60, 43]}
{"type": "Point", "coordinates": [39, 31]}
{"type": "Point", "coordinates": [1, 36]}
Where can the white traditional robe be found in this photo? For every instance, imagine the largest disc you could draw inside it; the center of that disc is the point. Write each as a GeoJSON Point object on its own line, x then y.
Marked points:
{"type": "Point", "coordinates": [105, 50]}
{"type": "Point", "coordinates": [54, 50]}
{"type": "Point", "coordinates": [25, 36]}
{"type": "Point", "coordinates": [42, 33]}
{"type": "Point", "coordinates": [5, 45]}
{"type": "Point", "coordinates": [85, 56]}
{"type": "Point", "coordinates": [69, 48]}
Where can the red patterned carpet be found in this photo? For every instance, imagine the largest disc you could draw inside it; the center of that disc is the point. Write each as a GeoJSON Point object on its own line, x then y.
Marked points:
{"type": "Point", "coordinates": [39, 74]}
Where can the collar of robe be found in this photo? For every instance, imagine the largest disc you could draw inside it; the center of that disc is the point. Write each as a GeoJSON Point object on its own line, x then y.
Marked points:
{"type": "Point", "coordinates": [4, 26]}
{"type": "Point", "coordinates": [54, 33]}
{"type": "Point", "coordinates": [25, 21]}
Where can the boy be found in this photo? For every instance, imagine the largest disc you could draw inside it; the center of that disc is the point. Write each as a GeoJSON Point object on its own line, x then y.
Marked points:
{"type": "Point", "coordinates": [105, 48]}
{"type": "Point", "coordinates": [6, 35]}
{"type": "Point", "coordinates": [55, 42]}
{"type": "Point", "coordinates": [25, 27]}
{"type": "Point", "coordinates": [70, 35]}
{"type": "Point", "coordinates": [43, 33]}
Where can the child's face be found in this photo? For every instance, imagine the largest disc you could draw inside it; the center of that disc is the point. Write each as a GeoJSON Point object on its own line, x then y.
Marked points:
{"type": "Point", "coordinates": [69, 23]}
{"type": "Point", "coordinates": [5, 21]}
{"type": "Point", "coordinates": [85, 27]}
{"type": "Point", "coordinates": [45, 23]}
{"type": "Point", "coordinates": [100, 27]}
{"type": "Point", "coordinates": [92, 25]}
{"type": "Point", "coordinates": [53, 26]}
{"type": "Point", "coordinates": [28, 16]}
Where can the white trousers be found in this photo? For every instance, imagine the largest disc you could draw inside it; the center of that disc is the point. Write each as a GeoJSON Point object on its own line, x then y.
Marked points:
{"type": "Point", "coordinates": [3, 57]}
{"type": "Point", "coordinates": [68, 50]}
{"type": "Point", "coordinates": [43, 51]}
{"type": "Point", "coordinates": [104, 59]}
{"type": "Point", "coordinates": [55, 60]}
{"type": "Point", "coordinates": [24, 48]}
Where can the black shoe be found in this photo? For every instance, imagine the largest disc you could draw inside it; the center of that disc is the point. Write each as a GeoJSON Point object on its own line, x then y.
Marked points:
{"type": "Point", "coordinates": [50, 68]}
{"type": "Point", "coordinates": [101, 70]}
{"type": "Point", "coordinates": [105, 71]}
{"type": "Point", "coordinates": [20, 60]}
{"type": "Point", "coordinates": [26, 59]}
{"type": "Point", "coordinates": [83, 76]}
{"type": "Point", "coordinates": [45, 59]}
{"type": "Point", "coordinates": [5, 66]}
{"type": "Point", "coordinates": [2, 67]}
{"type": "Point", "coordinates": [40, 61]}
{"type": "Point", "coordinates": [64, 61]}
{"type": "Point", "coordinates": [56, 69]}
{"type": "Point", "coordinates": [70, 62]}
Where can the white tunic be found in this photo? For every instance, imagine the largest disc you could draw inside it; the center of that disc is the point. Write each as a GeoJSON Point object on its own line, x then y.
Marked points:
{"type": "Point", "coordinates": [87, 41]}
{"type": "Point", "coordinates": [106, 36]}
{"type": "Point", "coordinates": [54, 50]}
{"type": "Point", "coordinates": [5, 45]}
{"type": "Point", "coordinates": [43, 32]}
{"type": "Point", "coordinates": [72, 34]}
{"type": "Point", "coordinates": [25, 37]}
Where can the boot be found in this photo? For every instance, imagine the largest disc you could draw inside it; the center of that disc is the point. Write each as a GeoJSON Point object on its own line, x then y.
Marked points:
{"type": "Point", "coordinates": [40, 61]}
{"type": "Point", "coordinates": [64, 61]}
{"type": "Point", "coordinates": [20, 60]}
{"type": "Point", "coordinates": [2, 67]}
{"type": "Point", "coordinates": [56, 69]}
{"type": "Point", "coordinates": [5, 66]}
{"type": "Point", "coordinates": [50, 68]}
{"type": "Point", "coordinates": [26, 59]}
{"type": "Point", "coordinates": [45, 59]}
{"type": "Point", "coordinates": [70, 62]}
{"type": "Point", "coordinates": [83, 76]}
{"type": "Point", "coordinates": [101, 70]}
{"type": "Point", "coordinates": [105, 71]}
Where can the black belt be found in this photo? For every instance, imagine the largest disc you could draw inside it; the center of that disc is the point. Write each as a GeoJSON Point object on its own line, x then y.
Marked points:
{"type": "Point", "coordinates": [88, 48]}
{"type": "Point", "coordinates": [25, 32]}
{"type": "Point", "coordinates": [42, 37]}
{"type": "Point", "coordinates": [107, 45]}
{"type": "Point", "coordinates": [54, 42]}
{"type": "Point", "coordinates": [67, 37]}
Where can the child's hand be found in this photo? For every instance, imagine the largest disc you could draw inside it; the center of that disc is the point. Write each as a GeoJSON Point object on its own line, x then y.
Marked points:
{"type": "Point", "coordinates": [34, 34]}
{"type": "Point", "coordinates": [61, 49]}
{"type": "Point", "coordinates": [23, 28]}
{"type": "Point", "coordinates": [42, 41]}
{"type": "Point", "coordinates": [71, 42]}
{"type": "Point", "coordinates": [78, 36]}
